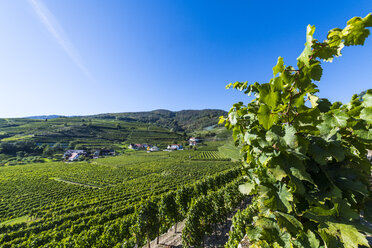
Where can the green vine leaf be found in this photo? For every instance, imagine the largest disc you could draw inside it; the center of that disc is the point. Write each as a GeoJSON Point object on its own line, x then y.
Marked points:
{"type": "Point", "coordinates": [290, 136]}
{"type": "Point", "coordinates": [340, 118]}
{"type": "Point", "coordinates": [289, 222]}
{"type": "Point", "coordinates": [366, 114]}
{"type": "Point", "coordinates": [247, 188]}
{"type": "Point", "coordinates": [304, 57]}
{"type": "Point", "coordinates": [348, 234]}
{"type": "Point", "coordinates": [308, 163]}
{"type": "Point", "coordinates": [313, 100]}
{"type": "Point", "coordinates": [279, 68]}
{"type": "Point", "coordinates": [367, 100]}
{"type": "Point", "coordinates": [265, 117]}
{"type": "Point", "coordinates": [269, 97]}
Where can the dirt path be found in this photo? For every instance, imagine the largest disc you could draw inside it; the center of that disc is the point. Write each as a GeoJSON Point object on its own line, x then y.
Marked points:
{"type": "Point", "coordinates": [218, 239]}
{"type": "Point", "coordinates": [174, 240]}
{"type": "Point", "coordinates": [76, 183]}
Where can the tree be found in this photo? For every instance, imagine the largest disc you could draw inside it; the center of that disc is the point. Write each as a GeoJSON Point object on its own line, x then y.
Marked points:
{"type": "Point", "coordinates": [80, 147]}
{"type": "Point", "coordinates": [58, 146]}
{"type": "Point", "coordinates": [48, 151]}
{"type": "Point", "coordinates": [72, 144]}
{"type": "Point", "coordinates": [307, 164]}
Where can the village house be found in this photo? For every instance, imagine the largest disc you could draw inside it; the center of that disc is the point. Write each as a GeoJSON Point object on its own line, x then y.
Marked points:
{"type": "Point", "coordinates": [175, 147]}
{"type": "Point", "coordinates": [96, 154]}
{"type": "Point", "coordinates": [154, 149]}
{"type": "Point", "coordinates": [139, 146]}
{"type": "Point", "coordinates": [193, 141]}
{"type": "Point", "coordinates": [73, 155]}
{"type": "Point", "coordinates": [132, 147]}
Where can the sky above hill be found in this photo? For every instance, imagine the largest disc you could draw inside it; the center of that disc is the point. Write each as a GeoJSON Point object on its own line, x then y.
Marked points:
{"type": "Point", "coordinates": [87, 57]}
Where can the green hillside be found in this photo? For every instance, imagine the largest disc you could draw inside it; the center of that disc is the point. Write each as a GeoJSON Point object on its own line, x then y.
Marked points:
{"type": "Point", "coordinates": [33, 139]}
{"type": "Point", "coordinates": [88, 131]}
{"type": "Point", "coordinates": [188, 120]}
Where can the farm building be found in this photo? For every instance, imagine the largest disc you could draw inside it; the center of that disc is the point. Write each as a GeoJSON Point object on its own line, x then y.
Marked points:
{"type": "Point", "coordinates": [154, 149]}
{"type": "Point", "coordinates": [138, 146]}
{"type": "Point", "coordinates": [73, 155]}
{"type": "Point", "coordinates": [175, 147]}
{"type": "Point", "coordinates": [193, 141]}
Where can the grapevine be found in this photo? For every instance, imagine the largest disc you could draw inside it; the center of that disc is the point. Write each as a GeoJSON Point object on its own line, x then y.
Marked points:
{"type": "Point", "coordinates": [305, 157]}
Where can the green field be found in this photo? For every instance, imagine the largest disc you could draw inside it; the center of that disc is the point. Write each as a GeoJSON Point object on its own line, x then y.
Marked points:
{"type": "Point", "coordinates": [57, 202]}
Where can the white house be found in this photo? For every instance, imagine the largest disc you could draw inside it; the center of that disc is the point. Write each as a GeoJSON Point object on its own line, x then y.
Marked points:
{"type": "Point", "coordinates": [175, 147]}
{"type": "Point", "coordinates": [193, 141]}
{"type": "Point", "coordinates": [154, 149]}
{"type": "Point", "coordinates": [73, 155]}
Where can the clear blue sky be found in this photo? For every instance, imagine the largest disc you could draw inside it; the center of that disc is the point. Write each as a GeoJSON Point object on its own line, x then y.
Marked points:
{"type": "Point", "coordinates": [75, 57]}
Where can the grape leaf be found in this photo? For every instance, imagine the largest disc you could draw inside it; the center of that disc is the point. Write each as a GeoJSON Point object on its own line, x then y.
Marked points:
{"type": "Point", "coordinates": [290, 136]}
{"type": "Point", "coordinates": [367, 100]}
{"type": "Point", "coordinates": [307, 52]}
{"type": "Point", "coordinates": [247, 188]}
{"type": "Point", "coordinates": [348, 234]}
{"type": "Point", "coordinates": [233, 118]}
{"type": "Point", "coordinates": [313, 100]}
{"type": "Point", "coordinates": [265, 117]}
{"type": "Point", "coordinates": [366, 114]}
{"type": "Point", "coordinates": [319, 154]}
{"type": "Point", "coordinates": [368, 20]}
{"type": "Point", "coordinates": [340, 118]}
{"type": "Point", "coordinates": [279, 66]}
{"type": "Point", "coordinates": [289, 222]}
{"type": "Point", "coordinates": [316, 72]}
{"type": "Point", "coordinates": [285, 196]}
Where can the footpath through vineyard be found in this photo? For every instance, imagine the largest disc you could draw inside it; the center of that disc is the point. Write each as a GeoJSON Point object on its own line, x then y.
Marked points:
{"type": "Point", "coordinates": [174, 240]}
{"type": "Point", "coordinates": [171, 239]}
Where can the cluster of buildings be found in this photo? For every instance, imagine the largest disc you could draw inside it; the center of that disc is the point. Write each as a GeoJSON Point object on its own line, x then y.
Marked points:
{"type": "Point", "coordinates": [173, 147]}
{"type": "Point", "coordinates": [147, 147]}
{"type": "Point", "coordinates": [75, 155]}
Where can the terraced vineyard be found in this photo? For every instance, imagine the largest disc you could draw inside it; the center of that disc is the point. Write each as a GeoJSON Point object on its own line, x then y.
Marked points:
{"type": "Point", "coordinates": [86, 131]}
{"type": "Point", "coordinates": [67, 204]}
{"type": "Point", "coordinates": [210, 155]}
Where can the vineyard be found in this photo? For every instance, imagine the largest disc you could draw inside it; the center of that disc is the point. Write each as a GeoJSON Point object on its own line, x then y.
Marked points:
{"type": "Point", "coordinates": [98, 204]}
{"type": "Point", "coordinates": [210, 155]}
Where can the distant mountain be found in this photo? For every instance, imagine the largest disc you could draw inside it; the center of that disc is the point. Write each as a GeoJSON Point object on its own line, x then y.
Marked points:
{"type": "Point", "coordinates": [177, 120]}
{"type": "Point", "coordinates": [43, 117]}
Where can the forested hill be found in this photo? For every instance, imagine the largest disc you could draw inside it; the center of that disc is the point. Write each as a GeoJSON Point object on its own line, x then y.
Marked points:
{"type": "Point", "coordinates": [177, 120]}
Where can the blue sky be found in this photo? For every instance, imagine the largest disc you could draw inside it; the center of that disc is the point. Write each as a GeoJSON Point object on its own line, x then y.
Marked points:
{"type": "Point", "coordinates": [86, 57]}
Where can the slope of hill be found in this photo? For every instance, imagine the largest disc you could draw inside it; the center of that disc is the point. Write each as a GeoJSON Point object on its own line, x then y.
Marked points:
{"type": "Point", "coordinates": [188, 120]}
{"type": "Point", "coordinates": [87, 131]}
{"type": "Point", "coordinates": [22, 138]}
{"type": "Point", "coordinates": [43, 117]}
